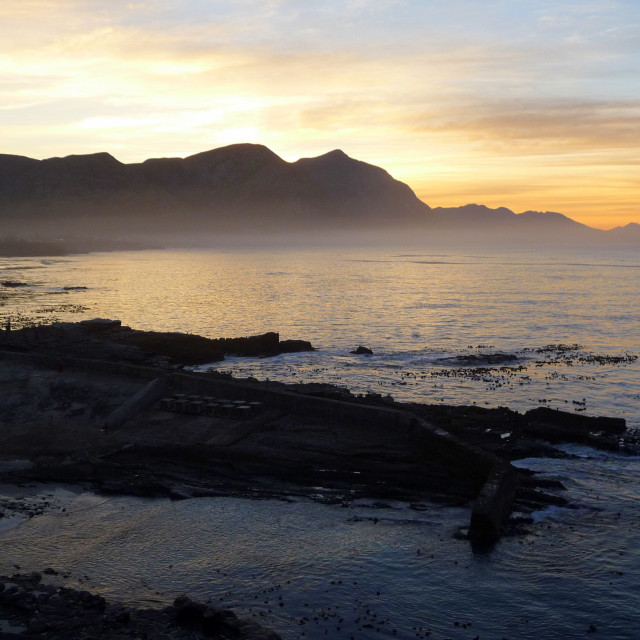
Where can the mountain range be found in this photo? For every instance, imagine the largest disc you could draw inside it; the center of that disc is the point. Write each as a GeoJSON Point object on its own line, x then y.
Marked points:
{"type": "Point", "coordinates": [247, 189]}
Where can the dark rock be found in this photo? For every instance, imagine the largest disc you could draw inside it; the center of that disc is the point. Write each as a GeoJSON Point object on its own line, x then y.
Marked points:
{"type": "Point", "coordinates": [100, 325]}
{"type": "Point", "coordinates": [118, 615]}
{"type": "Point", "coordinates": [561, 426]}
{"type": "Point", "coordinates": [260, 345]}
{"type": "Point", "coordinates": [34, 610]}
{"type": "Point", "coordinates": [193, 350]}
{"type": "Point", "coordinates": [220, 622]}
{"type": "Point", "coordinates": [362, 351]}
{"type": "Point", "coordinates": [321, 390]}
{"type": "Point", "coordinates": [106, 339]}
{"type": "Point", "coordinates": [34, 577]}
{"type": "Point", "coordinates": [188, 611]}
{"type": "Point", "coordinates": [293, 346]}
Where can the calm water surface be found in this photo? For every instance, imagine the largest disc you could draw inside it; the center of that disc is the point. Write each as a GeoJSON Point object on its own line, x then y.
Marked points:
{"type": "Point", "coordinates": [336, 571]}
{"type": "Point", "coordinates": [412, 309]}
{"type": "Point", "coordinates": [306, 569]}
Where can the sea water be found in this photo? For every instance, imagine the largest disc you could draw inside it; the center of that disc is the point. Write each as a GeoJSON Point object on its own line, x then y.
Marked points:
{"type": "Point", "coordinates": [418, 312]}
{"type": "Point", "coordinates": [368, 570]}
{"type": "Point", "coordinates": [572, 323]}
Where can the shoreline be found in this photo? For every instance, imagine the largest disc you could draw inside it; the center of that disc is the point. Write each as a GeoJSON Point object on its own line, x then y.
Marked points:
{"type": "Point", "coordinates": [33, 608]}
{"type": "Point", "coordinates": [112, 432]}
{"type": "Point", "coordinates": [100, 422]}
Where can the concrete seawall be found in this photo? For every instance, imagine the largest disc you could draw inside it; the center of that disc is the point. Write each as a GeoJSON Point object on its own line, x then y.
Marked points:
{"type": "Point", "coordinates": [494, 503]}
{"type": "Point", "coordinates": [498, 479]}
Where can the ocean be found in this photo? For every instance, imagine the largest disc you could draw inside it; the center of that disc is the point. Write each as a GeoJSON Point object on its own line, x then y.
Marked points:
{"type": "Point", "coordinates": [571, 321]}
{"type": "Point", "coordinates": [569, 325]}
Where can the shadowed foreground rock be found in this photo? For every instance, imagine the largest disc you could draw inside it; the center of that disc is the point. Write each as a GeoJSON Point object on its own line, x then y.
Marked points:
{"type": "Point", "coordinates": [102, 421]}
{"type": "Point", "coordinates": [31, 609]}
{"type": "Point", "coordinates": [105, 339]}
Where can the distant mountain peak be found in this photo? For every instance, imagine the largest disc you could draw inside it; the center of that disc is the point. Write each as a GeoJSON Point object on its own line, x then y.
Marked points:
{"type": "Point", "coordinates": [243, 149]}
{"type": "Point", "coordinates": [247, 187]}
{"type": "Point", "coordinates": [100, 157]}
{"type": "Point", "coordinates": [336, 153]}
{"type": "Point", "coordinates": [485, 209]}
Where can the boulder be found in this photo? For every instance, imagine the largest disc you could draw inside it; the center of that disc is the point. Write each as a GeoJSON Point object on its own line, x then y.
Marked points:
{"type": "Point", "coordinates": [293, 346]}
{"type": "Point", "coordinates": [362, 351]}
{"type": "Point", "coordinates": [561, 426]}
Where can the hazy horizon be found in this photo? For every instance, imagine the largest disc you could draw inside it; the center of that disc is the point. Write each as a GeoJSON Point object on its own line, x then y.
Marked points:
{"type": "Point", "coordinates": [239, 190]}
{"type": "Point", "coordinates": [524, 106]}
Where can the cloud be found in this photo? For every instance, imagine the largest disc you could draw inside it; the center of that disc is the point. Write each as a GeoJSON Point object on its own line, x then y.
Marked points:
{"type": "Point", "coordinates": [419, 87]}
{"type": "Point", "coordinates": [541, 126]}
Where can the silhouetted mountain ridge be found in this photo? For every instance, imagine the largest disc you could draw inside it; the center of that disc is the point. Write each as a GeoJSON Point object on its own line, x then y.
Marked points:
{"type": "Point", "coordinates": [246, 188]}
{"type": "Point", "coordinates": [224, 189]}
{"type": "Point", "coordinates": [478, 216]}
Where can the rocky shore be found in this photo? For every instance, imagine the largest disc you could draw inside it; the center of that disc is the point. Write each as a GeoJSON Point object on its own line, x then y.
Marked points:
{"type": "Point", "coordinates": [82, 403]}
{"type": "Point", "coordinates": [109, 340]}
{"type": "Point", "coordinates": [31, 608]}
{"type": "Point", "coordinates": [113, 408]}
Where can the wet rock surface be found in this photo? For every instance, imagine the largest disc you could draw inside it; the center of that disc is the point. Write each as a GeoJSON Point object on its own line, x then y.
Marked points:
{"type": "Point", "coordinates": [362, 351]}
{"type": "Point", "coordinates": [100, 427]}
{"type": "Point", "coordinates": [27, 506]}
{"type": "Point", "coordinates": [30, 608]}
{"type": "Point", "coordinates": [108, 339]}
{"type": "Point", "coordinates": [513, 435]}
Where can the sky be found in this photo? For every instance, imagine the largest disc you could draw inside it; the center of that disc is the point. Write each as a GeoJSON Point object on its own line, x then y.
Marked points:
{"type": "Point", "coordinates": [528, 104]}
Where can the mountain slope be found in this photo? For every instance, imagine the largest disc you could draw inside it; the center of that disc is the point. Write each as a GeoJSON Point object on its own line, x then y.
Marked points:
{"type": "Point", "coordinates": [532, 226]}
{"type": "Point", "coordinates": [225, 189]}
{"type": "Point", "coordinates": [246, 189]}
{"type": "Point", "coordinates": [348, 183]}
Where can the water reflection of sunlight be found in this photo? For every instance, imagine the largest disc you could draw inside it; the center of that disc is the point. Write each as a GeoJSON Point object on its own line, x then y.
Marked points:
{"type": "Point", "coordinates": [415, 304]}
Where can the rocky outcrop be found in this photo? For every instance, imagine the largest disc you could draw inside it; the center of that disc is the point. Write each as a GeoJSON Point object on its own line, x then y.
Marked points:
{"type": "Point", "coordinates": [513, 435]}
{"type": "Point", "coordinates": [29, 608]}
{"type": "Point", "coordinates": [494, 503]}
{"type": "Point", "coordinates": [301, 437]}
{"type": "Point", "coordinates": [190, 349]}
{"type": "Point", "coordinates": [360, 351]}
{"type": "Point", "coordinates": [561, 426]}
{"type": "Point", "coordinates": [213, 622]}
{"type": "Point", "coordinates": [106, 339]}
{"type": "Point", "coordinates": [294, 346]}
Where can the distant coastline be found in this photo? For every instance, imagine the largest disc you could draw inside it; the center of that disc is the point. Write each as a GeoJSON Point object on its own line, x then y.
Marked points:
{"type": "Point", "coordinates": [17, 247]}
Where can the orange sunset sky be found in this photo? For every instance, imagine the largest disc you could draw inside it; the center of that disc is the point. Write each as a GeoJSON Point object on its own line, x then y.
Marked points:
{"type": "Point", "coordinates": [528, 104]}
